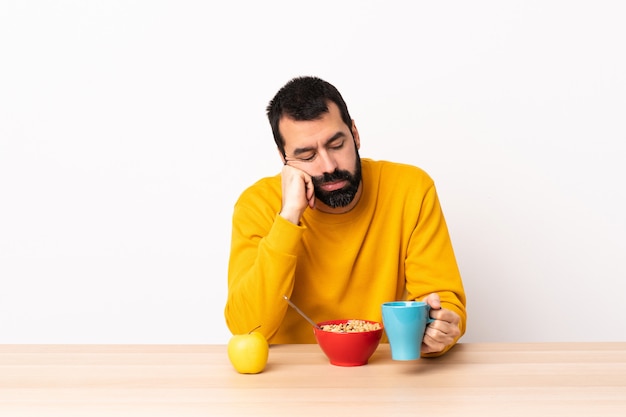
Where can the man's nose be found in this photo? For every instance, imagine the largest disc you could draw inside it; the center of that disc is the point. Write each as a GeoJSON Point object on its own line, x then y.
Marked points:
{"type": "Point", "coordinates": [326, 161]}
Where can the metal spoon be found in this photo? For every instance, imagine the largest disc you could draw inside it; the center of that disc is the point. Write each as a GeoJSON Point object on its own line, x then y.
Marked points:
{"type": "Point", "coordinates": [301, 313]}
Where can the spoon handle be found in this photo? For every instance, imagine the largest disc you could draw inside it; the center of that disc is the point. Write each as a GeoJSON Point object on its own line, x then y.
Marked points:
{"type": "Point", "coordinates": [301, 313]}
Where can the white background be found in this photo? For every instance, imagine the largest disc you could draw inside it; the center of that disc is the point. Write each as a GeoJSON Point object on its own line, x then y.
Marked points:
{"type": "Point", "coordinates": [129, 128]}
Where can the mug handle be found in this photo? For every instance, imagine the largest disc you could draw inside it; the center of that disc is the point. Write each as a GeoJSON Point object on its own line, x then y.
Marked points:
{"type": "Point", "coordinates": [429, 319]}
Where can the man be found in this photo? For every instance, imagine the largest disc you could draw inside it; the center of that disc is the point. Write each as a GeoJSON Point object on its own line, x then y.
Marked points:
{"type": "Point", "coordinates": [336, 234]}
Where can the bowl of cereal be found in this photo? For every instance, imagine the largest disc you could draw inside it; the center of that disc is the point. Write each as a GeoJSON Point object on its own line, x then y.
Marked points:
{"type": "Point", "coordinates": [348, 342]}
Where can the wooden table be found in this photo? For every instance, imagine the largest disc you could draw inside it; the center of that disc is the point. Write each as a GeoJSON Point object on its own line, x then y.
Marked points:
{"type": "Point", "coordinates": [531, 380]}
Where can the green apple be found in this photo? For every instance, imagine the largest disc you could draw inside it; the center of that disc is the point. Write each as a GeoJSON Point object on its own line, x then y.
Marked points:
{"type": "Point", "coordinates": [248, 352]}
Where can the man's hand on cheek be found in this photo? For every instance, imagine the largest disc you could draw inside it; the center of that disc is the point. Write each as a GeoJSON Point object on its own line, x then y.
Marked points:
{"type": "Point", "coordinates": [298, 193]}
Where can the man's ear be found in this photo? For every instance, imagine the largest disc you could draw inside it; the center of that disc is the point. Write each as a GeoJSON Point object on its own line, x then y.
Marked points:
{"type": "Point", "coordinates": [282, 156]}
{"type": "Point", "coordinates": [355, 135]}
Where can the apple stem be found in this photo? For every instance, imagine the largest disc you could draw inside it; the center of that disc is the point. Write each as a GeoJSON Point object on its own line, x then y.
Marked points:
{"type": "Point", "coordinates": [254, 329]}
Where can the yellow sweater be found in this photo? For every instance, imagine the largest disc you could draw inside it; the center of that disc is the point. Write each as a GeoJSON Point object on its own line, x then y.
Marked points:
{"type": "Point", "coordinates": [393, 245]}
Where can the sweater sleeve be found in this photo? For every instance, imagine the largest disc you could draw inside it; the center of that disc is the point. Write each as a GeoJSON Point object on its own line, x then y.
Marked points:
{"type": "Point", "coordinates": [261, 269]}
{"type": "Point", "coordinates": [431, 265]}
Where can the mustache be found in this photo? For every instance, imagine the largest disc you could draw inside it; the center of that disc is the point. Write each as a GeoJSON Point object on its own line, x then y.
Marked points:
{"type": "Point", "coordinates": [336, 175]}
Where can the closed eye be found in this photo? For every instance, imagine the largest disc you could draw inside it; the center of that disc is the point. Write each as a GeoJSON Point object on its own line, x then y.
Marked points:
{"type": "Point", "coordinates": [307, 158]}
{"type": "Point", "coordinates": [337, 147]}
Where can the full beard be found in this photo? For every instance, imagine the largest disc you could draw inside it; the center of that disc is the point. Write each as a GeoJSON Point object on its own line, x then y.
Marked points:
{"type": "Point", "coordinates": [343, 196]}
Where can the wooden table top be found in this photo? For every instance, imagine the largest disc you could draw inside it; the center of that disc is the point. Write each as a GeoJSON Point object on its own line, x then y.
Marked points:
{"type": "Point", "coordinates": [491, 379]}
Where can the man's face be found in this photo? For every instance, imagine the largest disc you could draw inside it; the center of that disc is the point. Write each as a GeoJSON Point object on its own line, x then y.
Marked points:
{"type": "Point", "coordinates": [340, 197]}
{"type": "Point", "coordinates": [327, 150]}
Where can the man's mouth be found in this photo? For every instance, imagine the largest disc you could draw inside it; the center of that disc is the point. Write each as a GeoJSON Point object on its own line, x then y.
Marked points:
{"type": "Point", "coordinates": [334, 185]}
